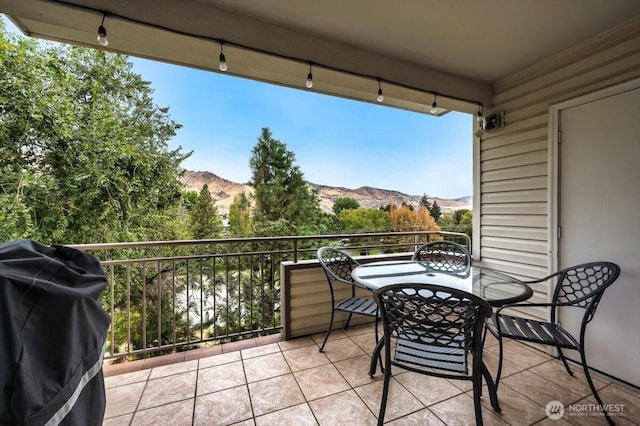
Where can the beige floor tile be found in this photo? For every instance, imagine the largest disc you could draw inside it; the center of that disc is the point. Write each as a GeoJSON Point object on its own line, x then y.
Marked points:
{"type": "Point", "coordinates": [358, 329]}
{"type": "Point", "coordinates": [422, 418]}
{"type": "Point", "coordinates": [428, 389]}
{"type": "Point", "coordinates": [520, 354]}
{"type": "Point", "coordinates": [123, 399]}
{"type": "Point", "coordinates": [340, 349]}
{"type": "Point", "coordinates": [223, 408]}
{"type": "Point", "coordinates": [538, 389]}
{"type": "Point", "coordinates": [168, 370]}
{"type": "Point", "coordinates": [356, 370]}
{"type": "Point", "coordinates": [224, 358]}
{"type": "Point", "coordinates": [299, 415]}
{"type": "Point", "coordinates": [366, 341]}
{"type": "Point", "coordinates": [126, 379]}
{"type": "Point", "coordinates": [168, 389]}
{"type": "Point", "coordinates": [275, 394]}
{"type": "Point", "coordinates": [491, 358]}
{"type": "Point", "coordinates": [400, 401]}
{"type": "Point", "coordinates": [336, 333]}
{"type": "Point", "coordinates": [259, 350]}
{"type": "Point", "coordinates": [459, 411]}
{"type": "Point", "coordinates": [175, 414]}
{"type": "Point", "coordinates": [320, 381]}
{"type": "Point", "coordinates": [342, 409]}
{"type": "Point", "coordinates": [628, 402]}
{"type": "Point", "coordinates": [305, 357]}
{"type": "Point", "coordinates": [515, 407]}
{"type": "Point", "coordinates": [220, 377]}
{"type": "Point", "coordinates": [124, 420]}
{"type": "Point", "coordinates": [266, 366]}
{"type": "Point", "coordinates": [300, 342]}
{"type": "Point", "coordinates": [555, 372]}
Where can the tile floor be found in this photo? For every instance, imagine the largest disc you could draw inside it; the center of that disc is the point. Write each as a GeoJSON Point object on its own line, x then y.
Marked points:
{"type": "Point", "coordinates": [272, 382]}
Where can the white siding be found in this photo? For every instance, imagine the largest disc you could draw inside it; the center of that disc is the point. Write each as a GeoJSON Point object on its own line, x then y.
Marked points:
{"type": "Point", "coordinates": [513, 162]}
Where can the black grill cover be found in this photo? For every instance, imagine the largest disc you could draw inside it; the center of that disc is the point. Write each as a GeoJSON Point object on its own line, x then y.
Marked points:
{"type": "Point", "coordinates": [52, 335]}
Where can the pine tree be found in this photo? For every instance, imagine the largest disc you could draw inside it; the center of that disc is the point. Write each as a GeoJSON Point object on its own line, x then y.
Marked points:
{"type": "Point", "coordinates": [205, 220]}
{"type": "Point", "coordinates": [281, 194]}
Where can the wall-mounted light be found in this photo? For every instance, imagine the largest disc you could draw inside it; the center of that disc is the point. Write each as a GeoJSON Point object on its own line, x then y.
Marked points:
{"type": "Point", "coordinates": [223, 60]}
{"type": "Point", "coordinates": [309, 82]}
{"type": "Point", "coordinates": [480, 115]}
{"type": "Point", "coordinates": [434, 105]}
{"type": "Point", "coordinates": [380, 96]}
{"type": "Point", "coordinates": [102, 33]}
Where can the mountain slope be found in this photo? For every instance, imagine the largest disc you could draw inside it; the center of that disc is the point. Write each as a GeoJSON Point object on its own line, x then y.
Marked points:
{"type": "Point", "coordinates": [223, 191]}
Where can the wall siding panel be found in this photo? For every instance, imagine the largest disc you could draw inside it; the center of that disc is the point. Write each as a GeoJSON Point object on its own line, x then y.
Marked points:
{"type": "Point", "coordinates": [514, 161]}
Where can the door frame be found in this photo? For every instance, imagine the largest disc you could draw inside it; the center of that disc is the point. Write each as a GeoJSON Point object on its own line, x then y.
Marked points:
{"type": "Point", "coordinates": [553, 197]}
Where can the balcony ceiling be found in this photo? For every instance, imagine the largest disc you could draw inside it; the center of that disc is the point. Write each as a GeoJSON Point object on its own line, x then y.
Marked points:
{"type": "Point", "coordinates": [456, 48]}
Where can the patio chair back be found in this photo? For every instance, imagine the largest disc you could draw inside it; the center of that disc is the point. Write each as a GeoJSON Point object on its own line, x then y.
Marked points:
{"type": "Point", "coordinates": [583, 286]}
{"type": "Point", "coordinates": [445, 256]}
{"type": "Point", "coordinates": [434, 329]}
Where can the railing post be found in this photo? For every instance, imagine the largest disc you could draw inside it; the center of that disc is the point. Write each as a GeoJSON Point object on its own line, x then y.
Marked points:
{"type": "Point", "coordinates": [295, 251]}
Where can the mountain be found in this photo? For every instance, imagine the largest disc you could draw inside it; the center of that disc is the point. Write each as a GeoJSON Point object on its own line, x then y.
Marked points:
{"type": "Point", "coordinates": [223, 191]}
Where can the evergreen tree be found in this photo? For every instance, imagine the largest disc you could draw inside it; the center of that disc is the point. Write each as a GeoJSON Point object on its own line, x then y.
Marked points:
{"type": "Point", "coordinates": [205, 219]}
{"type": "Point", "coordinates": [281, 193]}
{"type": "Point", "coordinates": [435, 211]}
{"type": "Point", "coordinates": [240, 216]}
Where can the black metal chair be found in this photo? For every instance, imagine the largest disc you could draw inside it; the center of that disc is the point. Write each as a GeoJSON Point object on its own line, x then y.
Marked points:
{"type": "Point", "coordinates": [580, 286]}
{"type": "Point", "coordinates": [435, 329]}
{"type": "Point", "coordinates": [337, 267]}
{"type": "Point", "coordinates": [445, 256]}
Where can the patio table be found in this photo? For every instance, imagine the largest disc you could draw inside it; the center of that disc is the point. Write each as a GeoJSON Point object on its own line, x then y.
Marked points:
{"type": "Point", "coordinates": [495, 287]}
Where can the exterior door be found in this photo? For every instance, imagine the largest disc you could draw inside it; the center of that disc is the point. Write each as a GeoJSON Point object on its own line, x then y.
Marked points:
{"type": "Point", "coordinates": [599, 219]}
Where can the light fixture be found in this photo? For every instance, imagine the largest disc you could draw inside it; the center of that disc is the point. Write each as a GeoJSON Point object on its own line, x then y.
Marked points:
{"type": "Point", "coordinates": [480, 115]}
{"type": "Point", "coordinates": [102, 33]}
{"type": "Point", "coordinates": [434, 105]}
{"type": "Point", "coordinates": [309, 82]}
{"type": "Point", "coordinates": [223, 61]}
{"type": "Point", "coordinates": [380, 97]}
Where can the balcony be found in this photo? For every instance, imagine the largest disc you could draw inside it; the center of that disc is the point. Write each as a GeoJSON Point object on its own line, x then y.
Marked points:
{"type": "Point", "coordinates": [191, 371]}
{"type": "Point", "coordinates": [270, 381]}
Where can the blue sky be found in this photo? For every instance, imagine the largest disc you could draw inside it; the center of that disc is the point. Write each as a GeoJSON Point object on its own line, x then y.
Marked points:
{"type": "Point", "coordinates": [337, 142]}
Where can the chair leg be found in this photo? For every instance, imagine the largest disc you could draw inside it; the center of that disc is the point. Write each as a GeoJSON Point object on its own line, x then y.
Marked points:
{"type": "Point", "coordinates": [500, 356]}
{"type": "Point", "coordinates": [593, 388]}
{"type": "Point", "coordinates": [375, 357]}
{"type": "Point", "coordinates": [493, 389]}
{"type": "Point", "coordinates": [477, 404]}
{"type": "Point", "coordinates": [385, 388]}
{"type": "Point", "coordinates": [564, 361]}
{"type": "Point", "coordinates": [328, 332]}
{"type": "Point", "coordinates": [346, 326]}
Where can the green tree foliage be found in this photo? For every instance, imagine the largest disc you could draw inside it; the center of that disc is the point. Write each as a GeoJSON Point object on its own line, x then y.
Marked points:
{"type": "Point", "coordinates": [460, 220]}
{"type": "Point", "coordinates": [83, 148]}
{"type": "Point", "coordinates": [204, 217]}
{"type": "Point", "coordinates": [281, 193]}
{"type": "Point", "coordinates": [363, 220]}
{"type": "Point", "coordinates": [434, 209]}
{"type": "Point", "coordinates": [240, 216]}
{"type": "Point", "coordinates": [344, 203]}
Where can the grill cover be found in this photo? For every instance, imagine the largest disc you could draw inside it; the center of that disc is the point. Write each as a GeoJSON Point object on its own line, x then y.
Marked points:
{"type": "Point", "coordinates": [52, 335]}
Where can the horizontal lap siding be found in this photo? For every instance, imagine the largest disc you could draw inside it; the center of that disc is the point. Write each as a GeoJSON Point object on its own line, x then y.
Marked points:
{"type": "Point", "coordinates": [514, 182]}
{"type": "Point", "coordinates": [306, 300]}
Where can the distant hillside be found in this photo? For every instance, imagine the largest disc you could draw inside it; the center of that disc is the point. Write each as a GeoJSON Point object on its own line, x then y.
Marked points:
{"type": "Point", "coordinates": [224, 191]}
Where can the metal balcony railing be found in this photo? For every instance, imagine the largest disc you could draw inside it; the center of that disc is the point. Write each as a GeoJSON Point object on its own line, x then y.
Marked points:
{"type": "Point", "coordinates": [167, 296]}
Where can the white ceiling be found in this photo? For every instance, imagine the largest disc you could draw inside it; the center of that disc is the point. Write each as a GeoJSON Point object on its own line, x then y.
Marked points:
{"type": "Point", "coordinates": [457, 48]}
